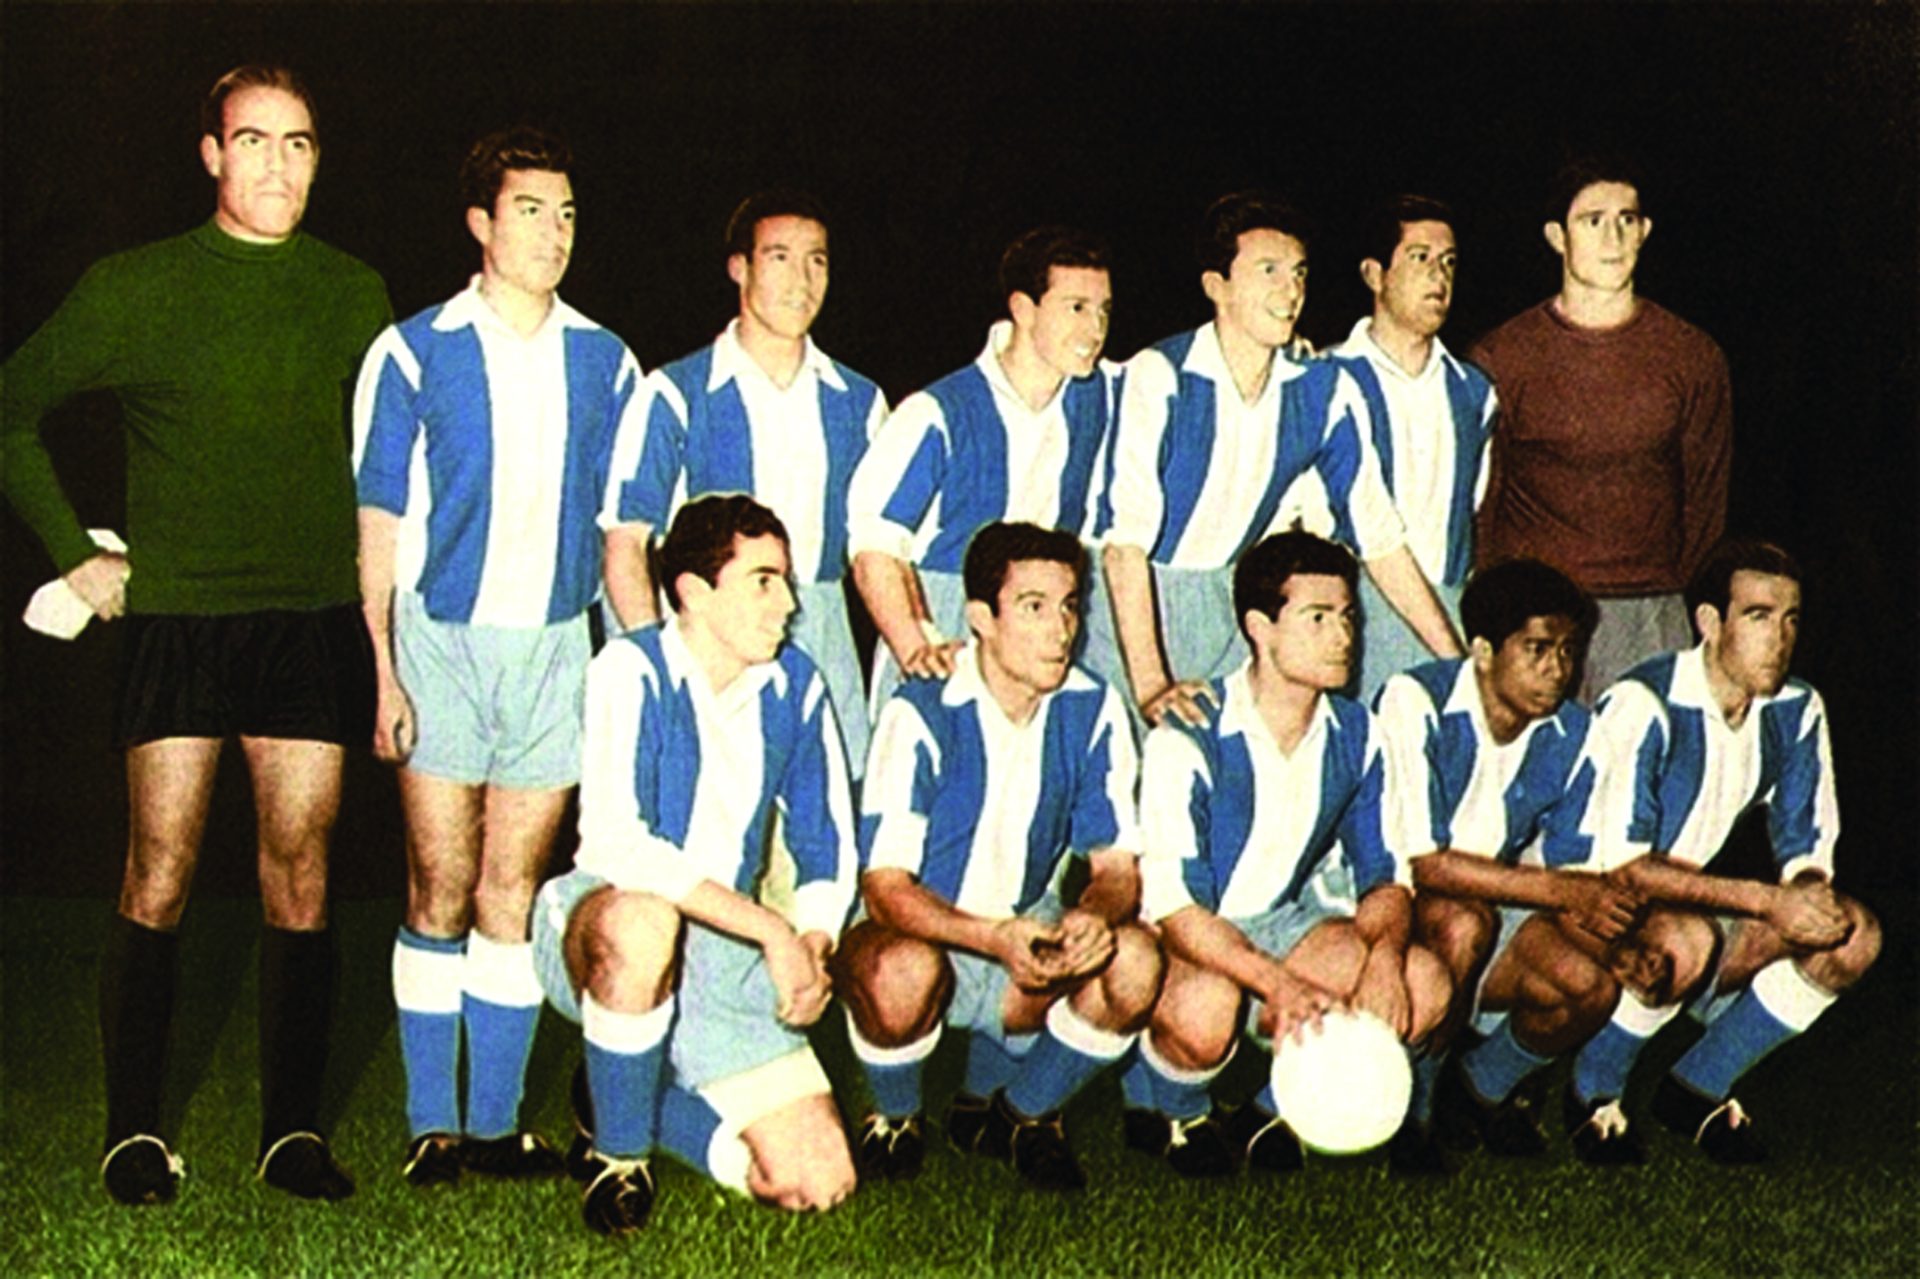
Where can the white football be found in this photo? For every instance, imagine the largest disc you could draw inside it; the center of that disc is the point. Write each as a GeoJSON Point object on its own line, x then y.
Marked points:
{"type": "Point", "coordinates": [1345, 1089]}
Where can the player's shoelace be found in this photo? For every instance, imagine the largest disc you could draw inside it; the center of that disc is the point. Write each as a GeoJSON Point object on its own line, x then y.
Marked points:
{"type": "Point", "coordinates": [1609, 1121]}
{"type": "Point", "coordinates": [1178, 1136]}
{"type": "Point", "coordinates": [175, 1164]}
{"type": "Point", "coordinates": [1736, 1114]}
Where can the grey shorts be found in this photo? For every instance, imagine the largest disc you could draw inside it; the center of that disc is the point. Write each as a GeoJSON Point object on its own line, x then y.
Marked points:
{"type": "Point", "coordinates": [1630, 631]}
{"type": "Point", "coordinates": [491, 704]}
{"type": "Point", "coordinates": [820, 629]}
{"type": "Point", "coordinates": [1387, 644]}
{"type": "Point", "coordinates": [725, 1024]}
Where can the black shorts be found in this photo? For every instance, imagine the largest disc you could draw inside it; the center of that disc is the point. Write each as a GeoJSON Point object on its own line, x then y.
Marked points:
{"type": "Point", "coordinates": [304, 675]}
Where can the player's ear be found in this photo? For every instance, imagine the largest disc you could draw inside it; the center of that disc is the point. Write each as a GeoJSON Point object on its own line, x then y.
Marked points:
{"type": "Point", "coordinates": [1556, 234]}
{"type": "Point", "coordinates": [1213, 284]}
{"type": "Point", "coordinates": [1022, 308]}
{"type": "Point", "coordinates": [1481, 654]}
{"type": "Point", "coordinates": [1372, 274]}
{"type": "Point", "coordinates": [737, 268]}
{"type": "Point", "coordinates": [1646, 228]}
{"type": "Point", "coordinates": [692, 589]}
{"type": "Point", "coordinates": [480, 225]}
{"type": "Point", "coordinates": [980, 618]}
{"type": "Point", "coordinates": [210, 154]}
{"type": "Point", "coordinates": [1706, 620]}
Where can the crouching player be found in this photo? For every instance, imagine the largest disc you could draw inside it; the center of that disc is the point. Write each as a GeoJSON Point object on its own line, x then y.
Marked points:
{"type": "Point", "coordinates": [1693, 739]}
{"type": "Point", "coordinates": [979, 792]}
{"type": "Point", "coordinates": [697, 732]}
{"type": "Point", "coordinates": [1489, 780]}
{"type": "Point", "coordinates": [1262, 826]}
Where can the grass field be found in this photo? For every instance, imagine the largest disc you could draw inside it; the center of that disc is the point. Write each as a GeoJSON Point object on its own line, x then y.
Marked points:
{"type": "Point", "coordinates": [1842, 1196]}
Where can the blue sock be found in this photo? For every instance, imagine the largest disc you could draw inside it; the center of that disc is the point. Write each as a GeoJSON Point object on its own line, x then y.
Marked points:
{"type": "Point", "coordinates": [1601, 1069]}
{"type": "Point", "coordinates": [1426, 1069]}
{"type": "Point", "coordinates": [1497, 1066]}
{"type": "Point", "coordinates": [893, 1074]}
{"type": "Point", "coordinates": [501, 1007]}
{"type": "Point", "coordinates": [1265, 1099]}
{"type": "Point", "coordinates": [426, 990]}
{"type": "Point", "coordinates": [625, 1053]}
{"type": "Point", "coordinates": [1733, 1044]}
{"type": "Point", "coordinates": [1178, 1094]}
{"type": "Point", "coordinates": [1070, 1051]}
{"type": "Point", "coordinates": [691, 1131]}
{"type": "Point", "coordinates": [1136, 1083]}
{"type": "Point", "coordinates": [990, 1064]}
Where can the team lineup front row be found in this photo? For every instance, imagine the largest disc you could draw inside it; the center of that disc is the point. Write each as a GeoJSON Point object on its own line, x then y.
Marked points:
{"type": "Point", "coordinates": [1103, 802]}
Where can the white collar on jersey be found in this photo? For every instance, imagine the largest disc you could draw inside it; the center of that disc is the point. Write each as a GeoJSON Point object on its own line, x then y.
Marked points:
{"type": "Point", "coordinates": [468, 308]}
{"type": "Point", "coordinates": [730, 359]}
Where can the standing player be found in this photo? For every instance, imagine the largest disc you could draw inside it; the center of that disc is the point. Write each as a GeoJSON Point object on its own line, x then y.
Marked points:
{"type": "Point", "coordinates": [1263, 827]}
{"type": "Point", "coordinates": [1016, 435]}
{"type": "Point", "coordinates": [982, 789]}
{"type": "Point", "coordinates": [1489, 781]}
{"type": "Point", "coordinates": [1609, 404]}
{"type": "Point", "coordinates": [482, 429]}
{"type": "Point", "coordinates": [229, 348]}
{"type": "Point", "coordinates": [698, 731]}
{"type": "Point", "coordinates": [1214, 427]}
{"type": "Point", "coordinates": [1693, 739]}
{"type": "Point", "coordinates": [761, 411]}
{"type": "Point", "coordinates": [1431, 417]}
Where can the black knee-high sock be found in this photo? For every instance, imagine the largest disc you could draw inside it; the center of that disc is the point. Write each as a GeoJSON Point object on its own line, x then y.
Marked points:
{"type": "Point", "coordinates": [137, 978]}
{"type": "Point", "coordinates": [296, 1009]}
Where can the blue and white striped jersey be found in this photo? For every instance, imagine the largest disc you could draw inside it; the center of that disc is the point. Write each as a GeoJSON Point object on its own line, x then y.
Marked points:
{"type": "Point", "coordinates": [1198, 474]}
{"type": "Point", "coordinates": [1431, 433]}
{"type": "Point", "coordinates": [1237, 828]}
{"type": "Point", "coordinates": [716, 423]}
{"type": "Point", "coordinates": [1451, 786]}
{"type": "Point", "coordinates": [982, 810]}
{"type": "Point", "coordinates": [493, 450]}
{"type": "Point", "coordinates": [1675, 776]}
{"type": "Point", "coordinates": [680, 784]}
{"type": "Point", "coordinates": [967, 451]}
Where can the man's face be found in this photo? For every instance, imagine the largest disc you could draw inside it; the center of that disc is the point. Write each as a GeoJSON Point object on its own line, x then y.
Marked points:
{"type": "Point", "coordinates": [1263, 292]}
{"type": "Point", "coordinates": [527, 240]}
{"type": "Point", "coordinates": [1416, 289]}
{"type": "Point", "coordinates": [1310, 642]}
{"type": "Point", "coordinates": [748, 607]}
{"type": "Point", "coordinates": [1070, 321]}
{"type": "Point", "coordinates": [1528, 675]}
{"type": "Point", "coordinates": [1753, 644]}
{"type": "Point", "coordinates": [262, 163]}
{"type": "Point", "coordinates": [1030, 639]}
{"type": "Point", "coordinates": [1599, 245]}
{"type": "Point", "coordinates": [784, 281]}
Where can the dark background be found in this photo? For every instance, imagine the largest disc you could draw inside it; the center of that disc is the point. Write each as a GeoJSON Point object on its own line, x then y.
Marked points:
{"type": "Point", "coordinates": [1778, 143]}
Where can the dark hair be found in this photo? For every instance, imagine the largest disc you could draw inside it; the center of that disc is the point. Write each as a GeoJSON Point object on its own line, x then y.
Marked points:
{"type": "Point", "coordinates": [1027, 265]}
{"type": "Point", "coordinates": [1712, 582]}
{"type": "Point", "coordinates": [213, 108]}
{"type": "Point", "coordinates": [1260, 576]}
{"type": "Point", "coordinates": [701, 539]}
{"type": "Point", "coordinates": [1581, 172]}
{"type": "Point", "coordinates": [1232, 216]}
{"type": "Point", "coordinates": [1503, 599]}
{"type": "Point", "coordinates": [1387, 222]}
{"type": "Point", "coordinates": [778, 202]}
{"type": "Point", "coordinates": [521, 147]}
{"type": "Point", "coordinates": [999, 545]}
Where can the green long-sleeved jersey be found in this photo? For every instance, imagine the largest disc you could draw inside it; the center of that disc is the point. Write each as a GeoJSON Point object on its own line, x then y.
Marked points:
{"type": "Point", "coordinates": [233, 363]}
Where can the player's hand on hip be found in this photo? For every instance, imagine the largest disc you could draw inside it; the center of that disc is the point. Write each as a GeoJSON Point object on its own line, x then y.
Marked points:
{"type": "Point", "coordinates": [800, 982]}
{"type": "Point", "coordinates": [1030, 951]}
{"type": "Point", "coordinates": [393, 723]}
{"type": "Point", "coordinates": [101, 583]}
{"type": "Point", "coordinates": [1183, 699]}
{"type": "Point", "coordinates": [1807, 913]}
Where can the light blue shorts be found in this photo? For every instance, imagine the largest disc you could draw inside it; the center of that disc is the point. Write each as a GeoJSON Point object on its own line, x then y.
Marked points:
{"type": "Point", "coordinates": [980, 986]}
{"type": "Point", "coordinates": [1631, 630]}
{"type": "Point", "coordinates": [493, 704]}
{"type": "Point", "coordinates": [725, 1023]}
{"type": "Point", "coordinates": [947, 604]}
{"type": "Point", "coordinates": [1387, 644]}
{"type": "Point", "coordinates": [1279, 930]}
{"type": "Point", "coordinates": [820, 629]}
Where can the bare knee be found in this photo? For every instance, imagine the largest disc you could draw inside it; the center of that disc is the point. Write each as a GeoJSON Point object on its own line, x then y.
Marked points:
{"type": "Point", "coordinates": [153, 888]}
{"type": "Point", "coordinates": [1197, 1018]}
{"type": "Point", "coordinates": [1848, 963]}
{"type": "Point", "coordinates": [1459, 932]}
{"type": "Point", "coordinates": [630, 943]}
{"type": "Point", "coordinates": [501, 901]}
{"type": "Point", "coordinates": [897, 987]}
{"type": "Point", "coordinates": [1131, 983]}
{"type": "Point", "coordinates": [800, 1157]}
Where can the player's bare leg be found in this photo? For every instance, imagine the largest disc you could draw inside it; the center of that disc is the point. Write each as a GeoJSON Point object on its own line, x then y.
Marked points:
{"type": "Point", "coordinates": [800, 1157]}
{"type": "Point", "coordinates": [896, 990]}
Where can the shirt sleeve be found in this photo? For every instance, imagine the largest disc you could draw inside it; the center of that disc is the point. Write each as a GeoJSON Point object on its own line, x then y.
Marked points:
{"type": "Point", "coordinates": [1104, 812]}
{"type": "Point", "coordinates": [1628, 743]}
{"type": "Point", "coordinates": [1483, 463]}
{"type": "Point", "coordinates": [816, 805]}
{"type": "Point", "coordinates": [1803, 813]}
{"type": "Point", "coordinates": [1362, 840]}
{"type": "Point", "coordinates": [1134, 493]}
{"type": "Point", "coordinates": [1175, 783]}
{"type": "Point", "coordinates": [1350, 469]}
{"type": "Point", "coordinates": [649, 455]}
{"type": "Point", "coordinates": [1565, 840]}
{"type": "Point", "coordinates": [386, 422]}
{"type": "Point", "coordinates": [82, 346]}
{"type": "Point", "coordinates": [896, 797]}
{"type": "Point", "coordinates": [1706, 462]}
{"type": "Point", "coordinates": [1404, 724]}
{"type": "Point", "coordinates": [897, 481]}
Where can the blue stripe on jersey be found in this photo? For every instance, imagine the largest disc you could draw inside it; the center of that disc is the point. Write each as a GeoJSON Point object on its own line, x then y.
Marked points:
{"type": "Point", "coordinates": [1790, 772]}
{"type": "Point", "coordinates": [1307, 439]}
{"type": "Point", "coordinates": [1186, 446]}
{"type": "Point", "coordinates": [595, 401]}
{"type": "Point", "coordinates": [1467, 391]}
{"type": "Point", "coordinates": [1084, 405]}
{"type": "Point", "coordinates": [975, 491]}
{"type": "Point", "coordinates": [1103, 507]}
{"type": "Point", "coordinates": [454, 393]}
{"type": "Point", "coordinates": [923, 479]}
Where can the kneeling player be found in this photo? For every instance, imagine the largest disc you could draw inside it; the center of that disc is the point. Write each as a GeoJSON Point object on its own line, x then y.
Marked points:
{"type": "Point", "coordinates": [1489, 780]}
{"type": "Point", "coordinates": [1694, 739]}
{"type": "Point", "coordinates": [697, 732]}
{"type": "Point", "coordinates": [1262, 825]}
{"type": "Point", "coordinates": [978, 791]}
